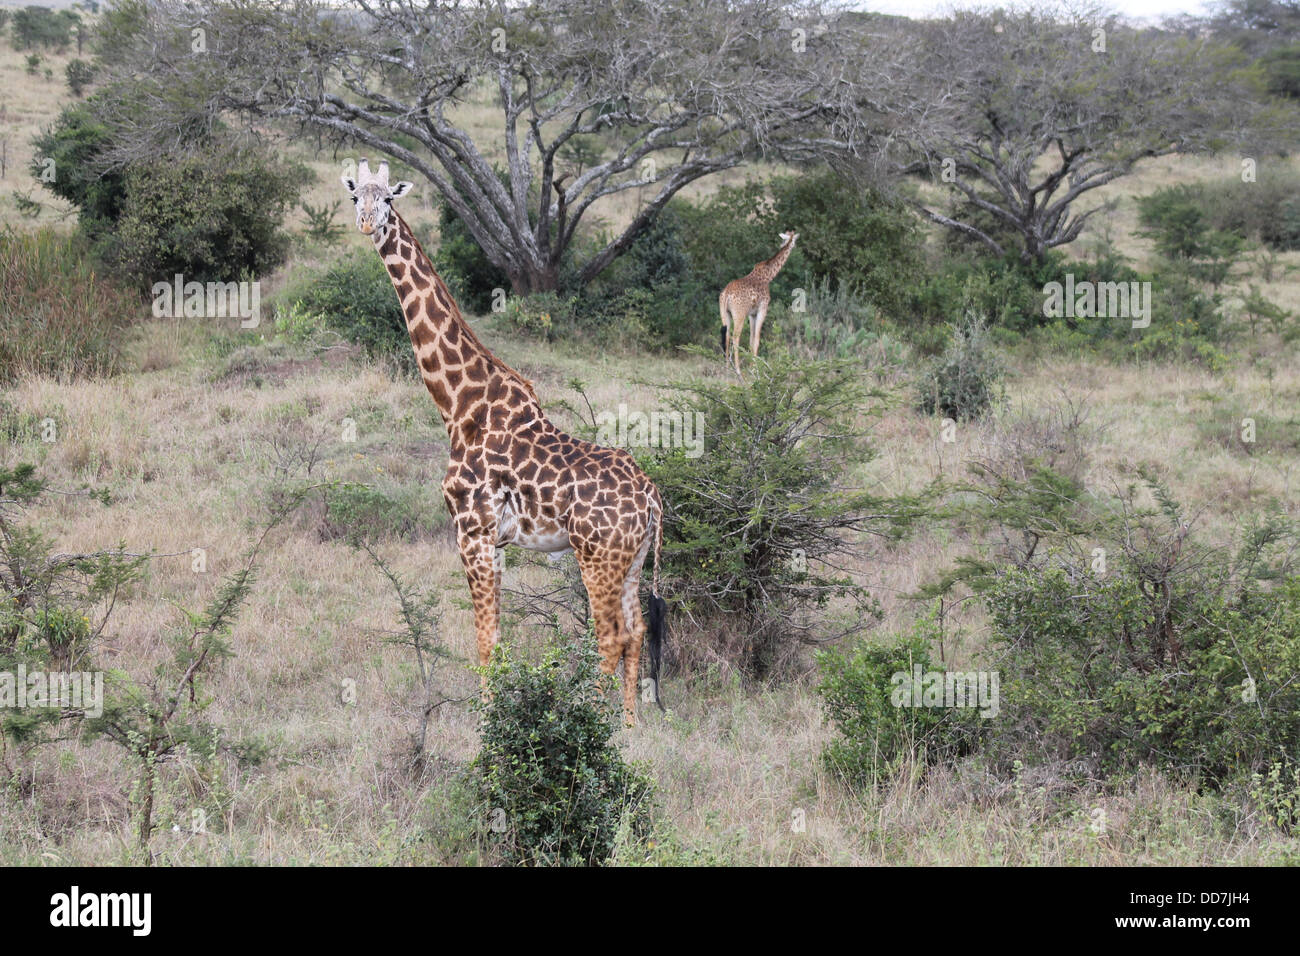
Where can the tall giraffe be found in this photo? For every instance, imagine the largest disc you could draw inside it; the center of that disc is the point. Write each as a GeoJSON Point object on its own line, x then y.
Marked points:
{"type": "Point", "coordinates": [512, 476]}
{"type": "Point", "coordinates": [747, 297]}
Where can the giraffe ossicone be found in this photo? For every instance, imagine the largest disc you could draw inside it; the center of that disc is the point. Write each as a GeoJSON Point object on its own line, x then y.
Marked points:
{"type": "Point", "coordinates": [512, 476]}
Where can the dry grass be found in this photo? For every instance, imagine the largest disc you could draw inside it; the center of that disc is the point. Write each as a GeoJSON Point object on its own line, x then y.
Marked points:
{"type": "Point", "coordinates": [187, 445]}
{"type": "Point", "coordinates": [188, 453]}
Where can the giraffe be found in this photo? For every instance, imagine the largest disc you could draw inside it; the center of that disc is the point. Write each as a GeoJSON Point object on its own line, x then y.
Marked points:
{"type": "Point", "coordinates": [512, 476]}
{"type": "Point", "coordinates": [747, 297]}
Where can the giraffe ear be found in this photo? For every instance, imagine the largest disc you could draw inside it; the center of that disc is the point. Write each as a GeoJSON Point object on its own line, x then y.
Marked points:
{"type": "Point", "coordinates": [349, 184]}
{"type": "Point", "coordinates": [401, 189]}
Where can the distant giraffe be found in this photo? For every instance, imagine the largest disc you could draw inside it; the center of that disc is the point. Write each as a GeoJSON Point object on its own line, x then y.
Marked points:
{"type": "Point", "coordinates": [747, 297]}
{"type": "Point", "coordinates": [512, 476]}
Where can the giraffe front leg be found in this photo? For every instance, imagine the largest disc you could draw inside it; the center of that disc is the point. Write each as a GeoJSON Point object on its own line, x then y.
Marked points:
{"type": "Point", "coordinates": [479, 553]}
{"type": "Point", "coordinates": [756, 326]}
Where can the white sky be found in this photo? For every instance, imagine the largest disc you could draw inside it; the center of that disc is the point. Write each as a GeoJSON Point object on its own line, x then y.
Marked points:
{"type": "Point", "coordinates": [1134, 9]}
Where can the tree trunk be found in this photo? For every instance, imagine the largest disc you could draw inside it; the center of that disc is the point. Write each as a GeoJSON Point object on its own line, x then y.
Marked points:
{"type": "Point", "coordinates": [534, 280]}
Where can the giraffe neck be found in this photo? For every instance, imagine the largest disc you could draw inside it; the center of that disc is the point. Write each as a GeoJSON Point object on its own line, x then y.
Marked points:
{"type": "Point", "coordinates": [767, 270]}
{"type": "Point", "coordinates": [455, 365]}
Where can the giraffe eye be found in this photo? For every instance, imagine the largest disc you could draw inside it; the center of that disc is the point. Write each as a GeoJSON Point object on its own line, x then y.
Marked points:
{"type": "Point", "coordinates": [354, 200]}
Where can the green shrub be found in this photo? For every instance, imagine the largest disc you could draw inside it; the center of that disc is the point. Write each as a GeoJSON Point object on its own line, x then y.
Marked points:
{"type": "Point", "coordinates": [652, 294]}
{"type": "Point", "coordinates": [1186, 675]}
{"type": "Point", "coordinates": [40, 26]}
{"type": "Point", "coordinates": [878, 735]}
{"type": "Point", "coordinates": [543, 315]}
{"type": "Point", "coordinates": [58, 315]}
{"type": "Point", "coordinates": [80, 75]}
{"type": "Point", "coordinates": [760, 513]}
{"type": "Point", "coordinates": [554, 788]}
{"type": "Point", "coordinates": [966, 380]}
{"type": "Point", "coordinates": [355, 298]}
{"type": "Point", "coordinates": [1187, 219]}
{"type": "Point", "coordinates": [212, 216]}
{"type": "Point", "coordinates": [854, 234]}
{"type": "Point", "coordinates": [364, 513]}
{"type": "Point", "coordinates": [664, 289]}
{"type": "Point", "coordinates": [1007, 291]}
{"type": "Point", "coordinates": [833, 324]}
{"type": "Point", "coordinates": [78, 142]}
{"type": "Point", "coordinates": [1122, 640]}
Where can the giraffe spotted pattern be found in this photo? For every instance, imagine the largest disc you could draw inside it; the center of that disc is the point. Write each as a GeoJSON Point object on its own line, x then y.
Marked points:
{"type": "Point", "coordinates": [512, 476]}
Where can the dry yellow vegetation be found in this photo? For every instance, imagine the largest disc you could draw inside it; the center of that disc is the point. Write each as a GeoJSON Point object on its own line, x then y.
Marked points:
{"type": "Point", "coordinates": [188, 443]}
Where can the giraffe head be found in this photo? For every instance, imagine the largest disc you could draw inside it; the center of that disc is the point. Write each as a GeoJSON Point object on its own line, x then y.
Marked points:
{"type": "Point", "coordinates": [789, 237]}
{"type": "Point", "coordinates": [373, 197]}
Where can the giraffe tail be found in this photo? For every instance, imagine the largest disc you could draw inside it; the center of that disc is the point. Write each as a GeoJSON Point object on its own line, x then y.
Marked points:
{"type": "Point", "coordinates": [722, 309]}
{"type": "Point", "coordinates": [657, 619]}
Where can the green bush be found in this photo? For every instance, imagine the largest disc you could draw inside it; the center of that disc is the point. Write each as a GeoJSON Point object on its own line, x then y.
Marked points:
{"type": "Point", "coordinates": [360, 512]}
{"type": "Point", "coordinates": [664, 289]}
{"type": "Point", "coordinates": [78, 143]}
{"type": "Point", "coordinates": [760, 513]}
{"type": "Point", "coordinates": [554, 788]}
{"type": "Point", "coordinates": [1195, 679]}
{"type": "Point", "coordinates": [833, 324]}
{"type": "Point", "coordinates": [1188, 219]}
{"type": "Point", "coordinates": [854, 234]}
{"type": "Point", "coordinates": [652, 294]}
{"type": "Point", "coordinates": [1122, 639]}
{"type": "Point", "coordinates": [40, 26]}
{"type": "Point", "coordinates": [543, 315]}
{"type": "Point", "coordinates": [878, 735]}
{"type": "Point", "coordinates": [966, 380]}
{"type": "Point", "coordinates": [80, 75]}
{"type": "Point", "coordinates": [212, 216]}
{"type": "Point", "coordinates": [58, 315]}
{"type": "Point", "coordinates": [355, 298]}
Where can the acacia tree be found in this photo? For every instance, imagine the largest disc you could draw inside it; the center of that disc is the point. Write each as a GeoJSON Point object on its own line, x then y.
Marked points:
{"type": "Point", "coordinates": [592, 98]}
{"type": "Point", "coordinates": [1032, 110]}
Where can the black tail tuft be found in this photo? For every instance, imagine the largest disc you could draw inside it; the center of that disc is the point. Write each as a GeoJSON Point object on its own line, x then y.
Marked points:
{"type": "Point", "coordinates": [655, 632]}
{"type": "Point", "coordinates": [724, 341]}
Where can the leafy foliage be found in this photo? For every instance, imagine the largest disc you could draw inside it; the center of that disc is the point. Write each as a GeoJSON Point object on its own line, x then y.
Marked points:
{"type": "Point", "coordinates": [965, 381]}
{"type": "Point", "coordinates": [211, 216]}
{"type": "Point", "coordinates": [554, 787]}
{"type": "Point", "coordinates": [354, 296]}
{"type": "Point", "coordinates": [35, 26]}
{"type": "Point", "coordinates": [759, 520]}
{"type": "Point", "coordinates": [877, 736]}
{"type": "Point", "coordinates": [460, 257]}
{"type": "Point", "coordinates": [80, 75]}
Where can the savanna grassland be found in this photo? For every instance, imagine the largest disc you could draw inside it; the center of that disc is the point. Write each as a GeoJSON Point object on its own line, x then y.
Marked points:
{"type": "Point", "coordinates": [206, 419]}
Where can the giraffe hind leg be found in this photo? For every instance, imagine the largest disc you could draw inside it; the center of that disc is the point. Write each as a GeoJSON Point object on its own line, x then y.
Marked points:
{"type": "Point", "coordinates": [635, 629]}
{"type": "Point", "coordinates": [603, 577]}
